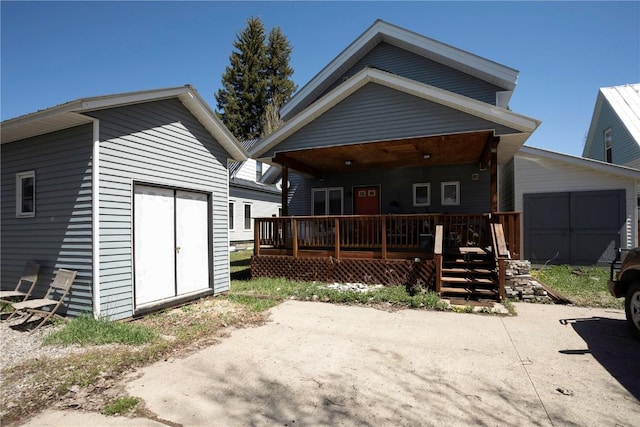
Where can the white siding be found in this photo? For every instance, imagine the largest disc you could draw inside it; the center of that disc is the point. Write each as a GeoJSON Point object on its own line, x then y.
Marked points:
{"type": "Point", "coordinates": [261, 207]}
{"type": "Point", "coordinates": [543, 175]}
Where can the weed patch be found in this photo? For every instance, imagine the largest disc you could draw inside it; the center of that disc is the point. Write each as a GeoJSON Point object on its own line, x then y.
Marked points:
{"type": "Point", "coordinates": [85, 330]}
{"type": "Point", "coordinates": [121, 405]}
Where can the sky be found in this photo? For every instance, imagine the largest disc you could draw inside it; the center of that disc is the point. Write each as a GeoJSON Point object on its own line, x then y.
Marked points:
{"type": "Point", "coordinates": [56, 52]}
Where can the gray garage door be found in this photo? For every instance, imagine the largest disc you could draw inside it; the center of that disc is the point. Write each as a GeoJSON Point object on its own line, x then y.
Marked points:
{"type": "Point", "coordinates": [580, 228]}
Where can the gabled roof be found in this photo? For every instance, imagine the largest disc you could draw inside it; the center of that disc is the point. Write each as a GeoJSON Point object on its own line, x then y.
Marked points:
{"type": "Point", "coordinates": [71, 114]}
{"type": "Point", "coordinates": [596, 165]}
{"type": "Point", "coordinates": [625, 101]}
{"type": "Point", "coordinates": [523, 124]}
{"type": "Point", "coordinates": [382, 31]}
{"type": "Point", "coordinates": [234, 166]}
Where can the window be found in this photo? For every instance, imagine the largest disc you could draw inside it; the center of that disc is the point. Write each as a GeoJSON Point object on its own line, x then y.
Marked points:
{"type": "Point", "coordinates": [231, 210]}
{"type": "Point", "coordinates": [26, 194]}
{"type": "Point", "coordinates": [247, 217]}
{"type": "Point", "coordinates": [258, 170]}
{"type": "Point", "coordinates": [608, 146]}
{"type": "Point", "coordinates": [422, 194]}
{"type": "Point", "coordinates": [327, 201]}
{"type": "Point", "coordinates": [450, 193]}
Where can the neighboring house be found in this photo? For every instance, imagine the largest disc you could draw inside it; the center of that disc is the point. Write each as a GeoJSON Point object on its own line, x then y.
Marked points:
{"type": "Point", "coordinates": [130, 190]}
{"type": "Point", "coordinates": [614, 133]}
{"type": "Point", "coordinates": [250, 197]}
{"type": "Point", "coordinates": [575, 210]}
{"type": "Point", "coordinates": [396, 123]}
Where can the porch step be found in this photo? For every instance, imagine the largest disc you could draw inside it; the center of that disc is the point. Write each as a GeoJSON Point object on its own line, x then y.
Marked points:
{"type": "Point", "coordinates": [469, 273]}
{"type": "Point", "coordinates": [482, 293]}
{"type": "Point", "coordinates": [468, 281]}
{"type": "Point", "coordinates": [466, 271]}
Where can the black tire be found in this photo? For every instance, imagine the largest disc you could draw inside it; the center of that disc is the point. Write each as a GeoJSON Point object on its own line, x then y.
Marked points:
{"type": "Point", "coordinates": [632, 309]}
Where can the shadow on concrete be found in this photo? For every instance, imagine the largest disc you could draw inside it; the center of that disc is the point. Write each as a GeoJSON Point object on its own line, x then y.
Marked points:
{"type": "Point", "coordinates": [611, 344]}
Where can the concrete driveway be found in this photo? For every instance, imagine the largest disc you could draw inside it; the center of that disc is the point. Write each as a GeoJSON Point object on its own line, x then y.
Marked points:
{"type": "Point", "coordinates": [323, 364]}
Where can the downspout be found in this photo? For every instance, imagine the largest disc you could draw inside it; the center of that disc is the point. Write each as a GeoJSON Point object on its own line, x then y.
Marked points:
{"type": "Point", "coordinates": [95, 210]}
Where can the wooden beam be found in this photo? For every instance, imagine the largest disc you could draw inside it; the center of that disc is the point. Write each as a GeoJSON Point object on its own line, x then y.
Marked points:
{"type": "Point", "coordinates": [490, 144]}
{"type": "Point", "coordinates": [285, 191]}
{"type": "Point", "coordinates": [494, 175]}
{"type": "Point", "coordinates": [294, 224]}
{"type": "Point", "coordinates": [285, 160]}
{"type": "Point", "coordinates": [336, 230]}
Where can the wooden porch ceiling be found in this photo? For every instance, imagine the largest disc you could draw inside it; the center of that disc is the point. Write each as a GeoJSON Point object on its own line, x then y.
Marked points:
{"type": "Point", "coordinates": [425, 151]}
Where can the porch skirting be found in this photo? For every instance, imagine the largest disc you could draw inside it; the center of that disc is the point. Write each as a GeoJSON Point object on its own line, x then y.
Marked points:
{"type": "Point", "coordinates": [389, 272]}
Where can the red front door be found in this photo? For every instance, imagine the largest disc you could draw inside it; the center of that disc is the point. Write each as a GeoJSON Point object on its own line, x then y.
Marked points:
{"type": "Point", "coordinates": [366, 200]}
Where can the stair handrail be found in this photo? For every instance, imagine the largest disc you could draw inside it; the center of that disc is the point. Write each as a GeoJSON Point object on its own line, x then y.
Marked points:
{"type": "Point", "coordinates": [501, 254]}
{"type": "Point", "coordinates": [437, 255]}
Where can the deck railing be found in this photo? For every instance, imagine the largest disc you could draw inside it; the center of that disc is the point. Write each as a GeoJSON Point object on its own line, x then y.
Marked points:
{"type": "Point", "coordinates": [380, 233]}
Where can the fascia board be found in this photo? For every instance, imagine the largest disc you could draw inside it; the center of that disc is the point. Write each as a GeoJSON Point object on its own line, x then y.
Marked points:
{"type": "Point", "coordinates": [109, 101]}
{"type": "Point", "coordinates": [459, 102]}
{"type": "Point", "coordinates": [478, 66]}
{"type": "Point", "coordinates": [201, 110]}
{"type": "Point", "coordinates": [597, 165]}
{"type": "Point", "coordinates": [431, 93]}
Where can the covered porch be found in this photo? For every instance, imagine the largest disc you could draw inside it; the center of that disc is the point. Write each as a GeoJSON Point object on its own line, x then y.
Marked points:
{"type": "Point", "coordinates": [453, 254]}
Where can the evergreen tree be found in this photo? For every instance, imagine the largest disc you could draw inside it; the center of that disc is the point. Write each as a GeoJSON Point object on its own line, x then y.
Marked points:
{"type": "Point", "coordinates": [280, 87]}
{"type": "Point", "coordinates": [243, 96]}
{"type": "Point", "coordinates": [256, 83]}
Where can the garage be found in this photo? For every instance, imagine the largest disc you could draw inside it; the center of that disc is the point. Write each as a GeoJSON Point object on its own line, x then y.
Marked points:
{"type": "Point", "coordinates": [580, 228]}
{"type": "Point", "coordinates": [171, 244]}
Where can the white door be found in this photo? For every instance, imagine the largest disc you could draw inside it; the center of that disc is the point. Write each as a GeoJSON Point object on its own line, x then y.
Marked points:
{"type": "Point", "coordinates": [192, 242]}
{"type": "Point", "coordinates": [171, 243]}
{"type": "Point", "coordinates": [154, 244]}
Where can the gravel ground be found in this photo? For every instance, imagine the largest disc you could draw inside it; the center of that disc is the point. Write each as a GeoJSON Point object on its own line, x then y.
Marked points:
{"type": "Point", "coordinates": [18, 345]}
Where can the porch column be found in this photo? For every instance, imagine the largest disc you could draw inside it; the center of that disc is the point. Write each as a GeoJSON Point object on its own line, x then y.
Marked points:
{"type": "Point", "coordinates": [285, 190]}
{"type": "Point", "coordinates": [494, 174]}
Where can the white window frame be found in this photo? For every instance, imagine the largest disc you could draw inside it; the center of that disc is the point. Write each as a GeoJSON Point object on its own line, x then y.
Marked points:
{"type": "Point", "coordinates": [607, 138]}
{"type": "Point", "coordinates": [326, 199]}
{"type": "Point", "coordinates": [426, 185]}
{"type": "Point", "coordinates": [20, 176]}
{"type": "Point", "coordinates": [244, 217]}
{"type": "Point", "coordinates": [232, 215]}
{"type": "Point", "coordinates": [444, 202]}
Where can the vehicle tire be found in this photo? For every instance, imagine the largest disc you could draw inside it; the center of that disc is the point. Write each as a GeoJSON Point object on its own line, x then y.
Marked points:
{"type": "Point", "coordinates": [632, 309]}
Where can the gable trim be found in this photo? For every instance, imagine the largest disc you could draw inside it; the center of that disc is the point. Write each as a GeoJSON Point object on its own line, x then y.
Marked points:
{"type": "Point", "coordinates": [431, 93]}
{"type": "Point", "coordinates": [453, 57]}
{"type": "Point", "coordinates": [71, 114]}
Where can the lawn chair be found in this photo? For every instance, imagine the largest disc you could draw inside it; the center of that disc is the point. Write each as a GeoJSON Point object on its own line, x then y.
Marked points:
{"type": "Point", "coordinates": [48, 306]}
{"type": "Point", "coordinates": [26, 283]}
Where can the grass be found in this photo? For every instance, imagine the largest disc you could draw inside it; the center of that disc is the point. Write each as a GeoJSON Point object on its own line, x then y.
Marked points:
{"type": "Point", "coordinates": [584, 286]}
{"type": "Point", "coordinates": [121, 405]}
{"type": "Point", "coordinates": [85, 330]}
{"type": "Point", "coordinates": [35, 384]}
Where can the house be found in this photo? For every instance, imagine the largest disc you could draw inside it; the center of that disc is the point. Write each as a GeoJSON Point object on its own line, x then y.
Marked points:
{"type": "Point", "coordinates": [575, 210]}
{"type": "Point", "coordinates": [129, 190]}
{"type": "Point", "coordinates": [396, 124]}
{"type": "Point", "coordinates": [614, 133]}
{"type": "Point", "coordinates": [250, 196]}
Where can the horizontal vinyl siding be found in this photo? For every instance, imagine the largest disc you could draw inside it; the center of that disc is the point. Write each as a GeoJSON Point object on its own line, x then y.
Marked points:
{"type": "Point", "coordinates": [376, 113]}
{"type": "Point", "coordinates": [60, 235]}
{"type": "Point", "coordinates": [410, 65]}
{"type": "Point", "coordinates": [158, 143]}
{"type": "Point", "coordinates": [263, 205]}
{"type": "Point", "coordinates": [397, 184]}
{"type": "Point", "coordinates": [625, 150]}
{"type": "Point", "coordinates": [551, 176]}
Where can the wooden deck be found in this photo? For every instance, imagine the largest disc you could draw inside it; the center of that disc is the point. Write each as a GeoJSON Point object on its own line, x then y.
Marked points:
{"type": "Point", "coordinates": [455, 255]}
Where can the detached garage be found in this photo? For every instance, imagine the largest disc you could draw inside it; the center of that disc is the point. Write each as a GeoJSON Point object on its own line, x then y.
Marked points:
{"type": "Point", "coordinates": [129, 190]}
{"type": "Point", "coordinates": [574, 210]}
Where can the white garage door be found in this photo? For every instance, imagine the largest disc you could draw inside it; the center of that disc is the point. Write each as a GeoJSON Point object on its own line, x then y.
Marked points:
{"type": "Point", "coordinates": [171, 243]}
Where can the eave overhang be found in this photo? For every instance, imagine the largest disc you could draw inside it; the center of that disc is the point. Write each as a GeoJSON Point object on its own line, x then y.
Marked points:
{"type": "Point", "coordinates": [474, 65]}
{"type": "Point", "coordinates": [511, 143]}
{"type": "Point", "coordinates": [73, 114]}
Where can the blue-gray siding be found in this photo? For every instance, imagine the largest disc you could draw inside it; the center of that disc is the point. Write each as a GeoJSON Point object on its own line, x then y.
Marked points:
{"type": "Point", "coordinates": [162, 143]}
{"type": "Point", "coordinates": [410, 65]}
{"type": "Point", "coordinates": [376, 113]}
{"type": "Point", "coordinates": [59, 236]}
{"type": "Point", "coordinates": [397, 184]}
{"type": "Point", "coordinates": [625, 149]}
